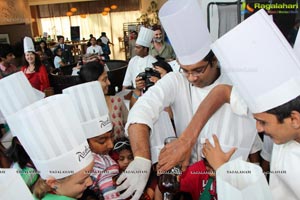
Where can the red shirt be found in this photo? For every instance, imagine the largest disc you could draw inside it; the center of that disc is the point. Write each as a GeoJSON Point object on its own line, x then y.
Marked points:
{"type": "Point", "coordinates": [194, 179]}
{"type": "Point", "coordinates": [39, 80]}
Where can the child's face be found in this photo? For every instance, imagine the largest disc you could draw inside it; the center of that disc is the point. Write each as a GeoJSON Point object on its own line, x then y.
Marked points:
{"type": "Point", "coordinates": [74, 185]}
{"type": "Point", "coordinates": [102, 144]}
{"type": "Point", "coordinates": [125, 157]}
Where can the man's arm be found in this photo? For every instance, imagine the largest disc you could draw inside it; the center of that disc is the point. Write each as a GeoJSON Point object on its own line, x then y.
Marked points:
{"type": "Point", "coordinates": [139, 140]}
{"type": "Point", "coordinates": [179, 151]}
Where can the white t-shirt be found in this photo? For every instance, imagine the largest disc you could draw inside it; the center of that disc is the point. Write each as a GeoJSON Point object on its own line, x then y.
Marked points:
{"type": "Point", "coordinates": [57, 60]}
{"type": "Point", "coordinates": [94, 50]}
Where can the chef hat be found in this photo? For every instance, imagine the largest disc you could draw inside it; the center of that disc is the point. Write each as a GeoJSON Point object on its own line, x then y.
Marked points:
{"type": "Point", "coordinates": [145, 37]}
{"type": "Point", "coordinates": [186, 30]}
{"type": "Point", "coordinates": [17, 93]}
{"type": "Point", "coordinates": [10, 181]}
{"type": "Point", "coordinates": [238, 179]}
{"type": "Point", "coordinates": [297, 46]}
{"type": "Point", "coordinates": [265, 70]}
{"type": "Point", "coordinates": [92, 108]}
{"type": "Point", "coordinates": [51, 134]}
{"type": "Point", "coordinates": [28, 44]}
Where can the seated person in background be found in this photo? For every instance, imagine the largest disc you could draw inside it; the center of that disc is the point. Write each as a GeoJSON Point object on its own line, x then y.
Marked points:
{"type": "Point", "coordinates": [58, 61]}
{"type": "Point", "coordinates": [66, 50]}
{"type": "Point", "coordinates": [94, 48]}
{"type": "Point", "coordinates": [95, 71]}
{"type": "Point", "coordinates": [34, 70]}
{"type": "Point", "coordinates": [159, 47]}
{"type": "Point", "coordinates": [123, 155]}
{"type": "Point", "coordinates": [6, 58]}
{"type": "Point", "coordinates": [46, 55]}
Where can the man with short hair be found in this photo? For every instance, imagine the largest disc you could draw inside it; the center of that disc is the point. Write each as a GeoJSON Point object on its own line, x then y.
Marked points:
{"type": "Point", "coordinates": [6, 58]}
{"type": "Point", "coordinates": [183, 92]}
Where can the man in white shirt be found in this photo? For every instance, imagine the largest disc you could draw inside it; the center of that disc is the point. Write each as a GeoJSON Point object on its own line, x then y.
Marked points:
{"type": "Point", "coordinates": [142, 60]}
{"type": "Point", "coordinates": [183, 92]}
{"type": "Point", "coordinates": [94, 48]}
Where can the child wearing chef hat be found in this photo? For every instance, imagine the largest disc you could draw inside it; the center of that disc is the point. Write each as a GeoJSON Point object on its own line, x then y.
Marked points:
{"type": "Point", "coordinates": [51, 134]}
{"type": "Point", "coordinates": [94, 117]}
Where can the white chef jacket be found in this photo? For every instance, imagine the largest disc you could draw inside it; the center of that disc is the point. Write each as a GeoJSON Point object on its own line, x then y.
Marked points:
{"type": "Point", "coordinates": [285, 173]}
{"type": "Point", "coordinates": [137, 65]}
{"type": "Point", "coordinates": [94, 50]}
{"type": "Point", "coordinates": [174, 90]}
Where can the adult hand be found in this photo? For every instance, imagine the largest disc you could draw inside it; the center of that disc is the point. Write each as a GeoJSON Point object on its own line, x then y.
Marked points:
{"type": "Point", "coordinates": [215, 155]}
{"type": "Point", "coordinates": [178, 152]}
{"type": "Point", "coordinates": [135, 178]}
{"type": "Point", "coordinates": [140, 83]}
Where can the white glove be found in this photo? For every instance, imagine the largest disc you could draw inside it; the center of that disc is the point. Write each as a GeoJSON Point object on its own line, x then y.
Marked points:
{"type": "Point", "coordinates": [136, 176]}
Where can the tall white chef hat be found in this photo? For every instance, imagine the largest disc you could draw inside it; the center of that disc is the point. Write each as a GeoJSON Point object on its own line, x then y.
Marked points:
{"type": "Point", "coordinates": [186, 30]}
{"type": "Point", "coordinates": [12, 186]}
{"type": "Point", "coordinates": [145, 37]}
{"type": "Point", "coordinates": [51, 134]}
{"type": "Point", "coordinates": [297, 46]}
{"type": "Point", "coordinates": [265, 70]}
{"type": "Point", "coordinates": [28, 44]}
{"type": "Point", "coordinates": [92, 108]}
{"type": "Point", "coordinates": [17, 93]}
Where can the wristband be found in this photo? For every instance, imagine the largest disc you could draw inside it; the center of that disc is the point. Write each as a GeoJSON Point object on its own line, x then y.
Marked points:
{"type": "Point", "coordinates": [135, 95]}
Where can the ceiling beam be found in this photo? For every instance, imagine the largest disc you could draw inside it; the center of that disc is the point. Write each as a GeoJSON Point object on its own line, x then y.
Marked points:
{"type": "Point", "coordinates": [44, 2]}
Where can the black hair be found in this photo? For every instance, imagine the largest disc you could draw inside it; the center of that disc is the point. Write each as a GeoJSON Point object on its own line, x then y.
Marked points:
{"type": "Point", "coordinates": [161, 63]}
{"type": "Point", "coordinates": [37, 61]}
{"type": "Point", "coordinates": [5, 49]}
{"type": "Point", "coordinates": [91, 71]}
{"type": "Point", "coordinates": [134, 32]}
{"type": "Point", "coordinates": [43, 41]}
{"type": "Point", "coordinates": [156, 27]}
{"type": "Point", "coordinates": [60, 36]}
{"type": "Point", "coordinates": [122, 147]}
{"type": "Point", "coordinates": [17, 153]}
{"type": "Point", "coordinates": [56, 50]}
{"type": "Point", "coordinates": [210, 57]}
{"type": "Point", "coordinates": [284, 111]}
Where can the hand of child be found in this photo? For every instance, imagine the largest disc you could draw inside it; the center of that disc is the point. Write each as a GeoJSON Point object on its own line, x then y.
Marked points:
{"type": "Point", "coordinates": [214, 155]}
{"type": "Point", "coordinates": [135, 178]}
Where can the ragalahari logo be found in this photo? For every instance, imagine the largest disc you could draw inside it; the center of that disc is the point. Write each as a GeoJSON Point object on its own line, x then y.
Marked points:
{"type": "Point", "coordinates": [246, 8]}
{"type": "Point", "coordinates": [271, 8]}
